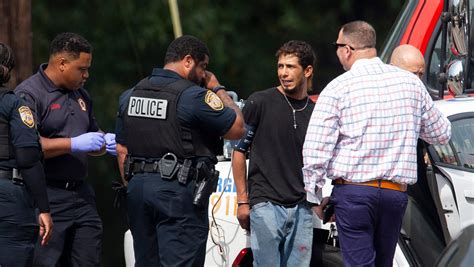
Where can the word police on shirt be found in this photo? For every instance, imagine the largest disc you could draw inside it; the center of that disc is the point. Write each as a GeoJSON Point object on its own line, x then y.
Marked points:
{"type": "Point", "coordinates": [147, 107]}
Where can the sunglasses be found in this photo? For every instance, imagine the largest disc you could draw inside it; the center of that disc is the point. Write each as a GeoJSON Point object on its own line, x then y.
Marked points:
{"type": "Point", "coordinates": [337, 45]}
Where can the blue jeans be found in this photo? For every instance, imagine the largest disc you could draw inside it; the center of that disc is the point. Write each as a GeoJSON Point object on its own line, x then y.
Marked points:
{"type": "Point", "coordinates": [281, 236]}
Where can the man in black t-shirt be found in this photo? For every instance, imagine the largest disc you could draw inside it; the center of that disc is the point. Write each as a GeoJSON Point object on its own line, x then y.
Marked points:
{"type": "Point", "coordinates": [273, 205]}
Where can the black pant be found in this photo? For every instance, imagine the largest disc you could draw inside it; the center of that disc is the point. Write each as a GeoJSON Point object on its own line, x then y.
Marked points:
{"type": "Point", "coordinates": [77, 233]}
{"type": "Point", "coordinates": [18, 225]}
{"type": "Point", "coordinates": [168, 230]}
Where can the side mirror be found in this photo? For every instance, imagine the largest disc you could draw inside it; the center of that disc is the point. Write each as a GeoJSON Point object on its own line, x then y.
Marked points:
{"type": "Point", "coordinates": [455, 77]}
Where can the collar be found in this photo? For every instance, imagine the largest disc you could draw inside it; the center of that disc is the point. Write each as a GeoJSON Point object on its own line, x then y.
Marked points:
{"type": "Point", "coordinates": [50, 87]}
{"type": "Point", "coordinates": [165, 73]}
{"type": "Point", "coordinates": [366, 61]}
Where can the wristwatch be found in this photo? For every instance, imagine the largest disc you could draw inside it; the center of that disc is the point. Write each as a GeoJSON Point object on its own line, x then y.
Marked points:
{"type": "Point", "coordinates": [217, 88]}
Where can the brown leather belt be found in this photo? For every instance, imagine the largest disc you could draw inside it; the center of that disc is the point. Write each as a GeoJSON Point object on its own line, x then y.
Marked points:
{"type": "Point", "coordinates": [375, 183]}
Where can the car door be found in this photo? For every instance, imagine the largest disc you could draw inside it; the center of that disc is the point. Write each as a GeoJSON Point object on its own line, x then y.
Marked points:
{"type": "Point", "coordinates": [452, 178]}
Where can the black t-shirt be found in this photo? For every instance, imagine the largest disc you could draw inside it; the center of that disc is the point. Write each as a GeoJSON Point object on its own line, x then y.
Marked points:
{"type": "Point", "coordinates": [276, 152]}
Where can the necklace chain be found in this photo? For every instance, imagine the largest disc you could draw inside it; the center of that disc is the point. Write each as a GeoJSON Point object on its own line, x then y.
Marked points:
{"type": "Point", "coordinates": [295, 110]}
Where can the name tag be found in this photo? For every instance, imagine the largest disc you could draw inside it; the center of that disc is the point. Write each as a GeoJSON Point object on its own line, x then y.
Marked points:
{"type": "Point", "coordinates": [147, 107]}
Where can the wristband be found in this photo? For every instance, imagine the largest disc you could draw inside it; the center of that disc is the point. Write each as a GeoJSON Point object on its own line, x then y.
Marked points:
{"type": "Point", "coordinates": [217, 88]}
{"type": "Point", "coordinates": [242, 203]}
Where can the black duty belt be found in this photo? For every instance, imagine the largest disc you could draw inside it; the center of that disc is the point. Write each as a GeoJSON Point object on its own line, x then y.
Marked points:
{"type": "Point", "coordinates": [6, 174]}
{"type": "Point", "coordinates": [9, 175]}
{"type": "Point", "coordinates": [139, 167]}
{"type": "Point", "coordinates": [169, 167]}
{"type": "Point", "coordinates": [148, 167]}
{"type": "Point", "coordinates": [66, 185]}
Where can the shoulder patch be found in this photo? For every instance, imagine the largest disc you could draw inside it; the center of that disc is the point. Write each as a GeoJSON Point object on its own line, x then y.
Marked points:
{"type": "Point", "coordinates": [213, 101]}
{"type": "Point", "coordinates": [26, 116]}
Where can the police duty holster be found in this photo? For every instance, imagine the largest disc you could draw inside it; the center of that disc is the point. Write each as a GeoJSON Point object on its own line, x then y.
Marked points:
{"type": "Point", "coordinates": [206, 183]}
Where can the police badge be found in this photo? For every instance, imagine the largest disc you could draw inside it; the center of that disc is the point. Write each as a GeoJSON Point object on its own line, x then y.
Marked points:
{"type": "Point", "coordinates": [26, 116]}
{"type": "Point", "coordinates": [213, 101]}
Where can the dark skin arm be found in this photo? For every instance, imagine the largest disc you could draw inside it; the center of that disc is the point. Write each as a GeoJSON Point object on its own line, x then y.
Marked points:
{"type": "Point", "coordinates": [122, 152]}
{"type": "Point", "coordinates": [237, 130]}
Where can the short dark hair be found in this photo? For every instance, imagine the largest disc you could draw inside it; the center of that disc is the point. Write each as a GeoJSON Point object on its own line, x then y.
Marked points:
{"type": "Point", "coordinates": [186, 45]}
{"type": "Point", "coordinates": [7, 63]}
{"type": "Point", "coordinates": [300, 49]}
{"type": "Point", "coordinates": [360, 33]}
{"type": "Point", "coordinates": [71, 43]}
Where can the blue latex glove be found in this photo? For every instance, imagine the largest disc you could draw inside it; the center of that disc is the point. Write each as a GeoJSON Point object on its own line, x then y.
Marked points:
{"type": "Point", "coordinates": [88, 142]}
{"type": "Point", "coordinates": [110, 144]}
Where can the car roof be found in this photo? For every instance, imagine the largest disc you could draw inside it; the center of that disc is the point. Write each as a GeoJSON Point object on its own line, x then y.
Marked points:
{"type": "Point", "coordinates": [455, 105]}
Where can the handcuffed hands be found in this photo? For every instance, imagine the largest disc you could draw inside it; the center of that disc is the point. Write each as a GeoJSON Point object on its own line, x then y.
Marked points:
{"type": "Point", "coordinates": [110, 144]}
{"type": "Point", "coordinates": [88, 142]}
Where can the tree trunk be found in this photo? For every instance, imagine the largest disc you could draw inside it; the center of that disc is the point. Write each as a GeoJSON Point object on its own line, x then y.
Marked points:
{"type": "Point", "coordinates": [15, 30]}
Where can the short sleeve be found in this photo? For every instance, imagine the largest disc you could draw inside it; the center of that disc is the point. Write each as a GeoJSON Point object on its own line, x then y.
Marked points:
{"type": "Point", "coordinates": [204, 109]}
{"type": "Point", "coordinates": [22, 122]}
{"type": "Point", "coordinates": [251, 110]}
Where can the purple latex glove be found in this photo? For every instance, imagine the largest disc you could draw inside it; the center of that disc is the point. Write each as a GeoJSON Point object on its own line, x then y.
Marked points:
{"type": "Point", "coordinates": [88, 142]}
{"type": "Point", "coordinates": [110, 144]}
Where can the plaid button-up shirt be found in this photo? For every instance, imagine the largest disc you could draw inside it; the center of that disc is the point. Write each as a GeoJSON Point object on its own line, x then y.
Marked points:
{"type": "Point", "coordinates": [366, 124]}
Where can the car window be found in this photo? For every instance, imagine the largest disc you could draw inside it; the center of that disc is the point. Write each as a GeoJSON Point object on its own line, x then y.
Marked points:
{"type": "Point", "coordinates": [460, 150]}
{"type": "Point", "coordinates": [433, 65]}
{"type": "Point", "coordinates": [433, 58]}
{"type": "Point", "coordinates": [397, 30]}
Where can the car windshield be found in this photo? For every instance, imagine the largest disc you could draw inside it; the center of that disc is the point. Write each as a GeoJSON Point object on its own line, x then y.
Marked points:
{"type": "Point", "coordinates": [396, 33]}
{"type": "Point", "coordinates": [460, 150]}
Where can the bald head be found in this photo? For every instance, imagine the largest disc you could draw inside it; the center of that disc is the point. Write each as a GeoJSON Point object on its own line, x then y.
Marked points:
{"type": "Point", "coordinates": [409, 58]}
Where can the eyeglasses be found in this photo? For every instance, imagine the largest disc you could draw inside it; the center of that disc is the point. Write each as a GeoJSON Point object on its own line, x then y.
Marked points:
{"type": "Point", "coordinates": [337, 45]}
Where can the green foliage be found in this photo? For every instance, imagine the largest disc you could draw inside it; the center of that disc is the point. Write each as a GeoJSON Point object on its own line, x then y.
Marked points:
{"type": "Point", "coordinates": [131, 37]}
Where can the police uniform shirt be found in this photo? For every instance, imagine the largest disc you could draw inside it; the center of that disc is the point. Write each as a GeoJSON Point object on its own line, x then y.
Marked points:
{"type": "Point", "coordinates": [60, 113]}
{"type": "Point", "coordinates": [22, 125]}
{"type": "Point", "coordinates": [193, 109]}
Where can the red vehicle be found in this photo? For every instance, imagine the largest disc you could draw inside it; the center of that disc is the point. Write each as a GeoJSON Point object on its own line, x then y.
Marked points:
{"type": "Point", "coordinates": [420, 23]}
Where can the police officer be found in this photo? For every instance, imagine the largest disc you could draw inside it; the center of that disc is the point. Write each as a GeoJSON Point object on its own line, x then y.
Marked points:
{"type": "Point", "coordinates": [69, 132]}
{"type": "Point", "coordinates": [22, 184]}
{"type": "Point", "coordinates": [165, 129]}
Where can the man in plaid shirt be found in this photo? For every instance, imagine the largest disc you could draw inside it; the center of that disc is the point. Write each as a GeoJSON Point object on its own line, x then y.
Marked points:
{"type": "Point", "coordinates": [363, 134]}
